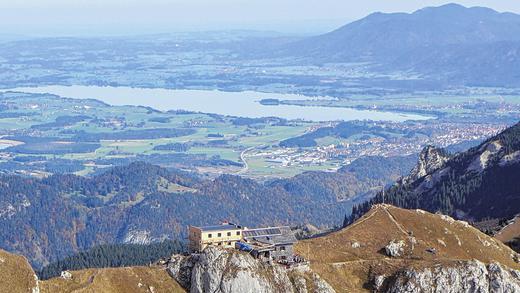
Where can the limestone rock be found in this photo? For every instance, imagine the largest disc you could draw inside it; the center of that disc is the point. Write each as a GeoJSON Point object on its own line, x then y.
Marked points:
{"type": "Point", "coordinates": [395, 248]}
{"type": "Point", "coordinates": [431, 159]}
{"type": "Point", "coordinates": [66, 275]}
{"type": "Point", "coordinates": [464, 276]}
{"type": "Point", "coordinates": [220, 270]}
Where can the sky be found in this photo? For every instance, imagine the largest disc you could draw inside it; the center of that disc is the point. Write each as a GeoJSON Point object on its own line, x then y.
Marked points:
{"type": "Point", "coordinates": [126, 17]}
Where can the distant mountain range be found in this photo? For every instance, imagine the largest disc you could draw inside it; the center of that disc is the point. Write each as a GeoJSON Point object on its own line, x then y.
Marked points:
{"type": "Point", "coordinates": [449, 44]}
{"type": "Point", "coordinates": [479, 184]}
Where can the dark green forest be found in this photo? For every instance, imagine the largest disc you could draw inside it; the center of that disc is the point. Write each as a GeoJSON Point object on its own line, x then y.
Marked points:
{"type": "Point", "coordinates": [113, 255]}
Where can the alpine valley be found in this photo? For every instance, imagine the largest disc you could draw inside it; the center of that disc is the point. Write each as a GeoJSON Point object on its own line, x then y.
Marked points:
{"type": "Point", "coordinates": [382, 156]}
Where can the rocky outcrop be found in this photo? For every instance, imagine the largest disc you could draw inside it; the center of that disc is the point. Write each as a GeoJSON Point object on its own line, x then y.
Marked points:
{"type": "Point", "coordinates": [394, 248]}
{"type": "Point", "coordinates": [220, 270]}
{"type": "Point", "coordinates": [463, 276]}
{"type": "Point", "coordinates": [430, 160]}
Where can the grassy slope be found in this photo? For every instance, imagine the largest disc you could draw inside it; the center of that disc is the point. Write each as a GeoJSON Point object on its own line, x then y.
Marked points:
{"type": "Point", "coordinates": [132, 279]}
{"type": "Point", "coordinates": [348, 269]}
{"type": "Point", "coordinates": [509, 232]}
{"type": "Point", "coordinates": [16, 275]}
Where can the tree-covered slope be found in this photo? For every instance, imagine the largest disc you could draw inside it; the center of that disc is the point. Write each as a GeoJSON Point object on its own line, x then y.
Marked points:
{"type": "Point", "coordinates": [477, 184]}
{"type": "Point", "coordinates": [51, 218]}
{"type": "Point", "coordinates": [113, 255]}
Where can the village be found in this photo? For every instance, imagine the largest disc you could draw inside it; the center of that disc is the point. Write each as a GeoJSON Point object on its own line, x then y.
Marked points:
{"type": "Point", "coordinates": [344, 151]}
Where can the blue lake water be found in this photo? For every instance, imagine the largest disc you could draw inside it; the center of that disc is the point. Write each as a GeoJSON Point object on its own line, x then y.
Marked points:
{"type": "Point", "coordinates": [244, 104]}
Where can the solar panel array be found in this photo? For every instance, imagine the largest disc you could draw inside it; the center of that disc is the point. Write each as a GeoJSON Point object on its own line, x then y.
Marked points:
{"type": "Point", "coordinates": [262, 232]}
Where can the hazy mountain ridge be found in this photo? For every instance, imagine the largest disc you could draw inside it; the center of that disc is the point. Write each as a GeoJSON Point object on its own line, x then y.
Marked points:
{"type": "Point", "coordinates": [450, 44]}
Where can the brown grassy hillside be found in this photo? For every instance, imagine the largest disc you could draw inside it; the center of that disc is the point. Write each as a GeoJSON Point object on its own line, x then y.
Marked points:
{"type": "Point", "coordinates": [347, 267]}
{"type": "Point", "coordinates": [510, 231]}
{"type": "Point", "coordinates": [16, 275]}
{"type": "Point", "coordinates": [132, 279]}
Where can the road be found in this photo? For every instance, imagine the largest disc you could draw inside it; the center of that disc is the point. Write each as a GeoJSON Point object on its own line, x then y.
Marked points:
{"type": "Point", "coordinates": [243, 159]}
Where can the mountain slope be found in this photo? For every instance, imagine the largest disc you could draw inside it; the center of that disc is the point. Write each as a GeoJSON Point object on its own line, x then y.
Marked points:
{"type": "Point", "coordinates": [430, 252]}
{"type": "Point", "coordinates": [16, 275]}
{"type": "Point", "coordinates": [49, 219]}
{"type": "Point", "coordinates": [350, 259]}
{"type": "Point", "coordinates": [450, 44]}
{"type": "Point", "coordinates": [129, 279]}
{"type": "Point", "coordinates": [477, 184]}
{"type": "Point", "coordinates": [379, 34]}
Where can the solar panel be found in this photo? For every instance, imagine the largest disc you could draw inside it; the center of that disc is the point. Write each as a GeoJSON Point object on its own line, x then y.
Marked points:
{"type": "Point", "coordinates": [262, 232]}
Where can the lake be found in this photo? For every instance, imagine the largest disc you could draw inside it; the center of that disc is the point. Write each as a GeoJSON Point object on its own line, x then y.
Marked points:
{"type": "Point", "coordinates": [244, 104]}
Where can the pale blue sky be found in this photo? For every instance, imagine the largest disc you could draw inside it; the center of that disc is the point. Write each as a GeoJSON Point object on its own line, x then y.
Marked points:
{"type": "Point", "coordinates": [44, 17]}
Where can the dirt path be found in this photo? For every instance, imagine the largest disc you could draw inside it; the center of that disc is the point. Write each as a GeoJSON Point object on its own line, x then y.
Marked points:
{"type": "Point", "coordinates": [392, 218]}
